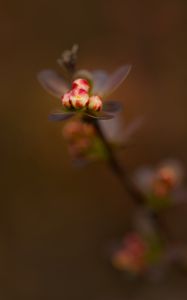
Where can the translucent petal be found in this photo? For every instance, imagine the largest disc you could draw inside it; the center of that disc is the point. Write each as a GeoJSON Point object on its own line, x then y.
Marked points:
{"type": "Point", "coordinates": [115, 80]}
{"type": "Point", "coordinates": [53, 83]}
{"type": "Point", "coordinates": [99, 78]}
{"type": "Point", "coordinates": [114, 128]}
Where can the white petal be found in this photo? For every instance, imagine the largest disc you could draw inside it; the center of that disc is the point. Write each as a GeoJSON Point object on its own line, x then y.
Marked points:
{"type": "Point", "coordinates": [53, 83]}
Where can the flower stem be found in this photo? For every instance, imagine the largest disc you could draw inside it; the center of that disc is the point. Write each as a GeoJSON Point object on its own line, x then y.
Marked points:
{"type": "Point", "coordinates": [127, 183]}
{"type": "Point", "coordinates": [129, 186]}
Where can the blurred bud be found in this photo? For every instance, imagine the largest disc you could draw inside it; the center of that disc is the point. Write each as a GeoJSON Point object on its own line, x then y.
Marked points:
{"type": "Point", "coordinates": [168, 176]}
{"type": "Point", "coordinates": [79, 136]}
{"type": "Point", "coordinates": [78, 148]}
{"type": "Point", "coordinates": [131, 256]}
{"type": "Point", "coordinates": [66, 100]}
{"type": "Point", "coordinates": [162, 185]}
{"type": "Point", "coordinates": [135, 244]}
{"type": "Point", "coordinates": [83, 143]}
{"type": "Point", "coordinates": [72, 129]}
{"type": "Point", "coordinates": [124, 261]}
{"type": "Point", "coordinates": [76, 128]}
{"type": "Point", "coordinates": [171, 173]}
{"type": "Point", "coordinates": [95, 103]}
{"type": "Point", "coordinates": [81, 84]}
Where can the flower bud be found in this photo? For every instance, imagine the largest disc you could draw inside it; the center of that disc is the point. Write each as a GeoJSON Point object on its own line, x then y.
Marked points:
{"type": "Point", "coordinates": [78, 148]}
{"type": "Point", "coordinates": [81, 84]}
{"type": "Point", "coordinates": [66, 100]}
{"type": "Point", "coordinates": [131, 256]}
{"type": "Point", "coordinates": [79, 98]}
{"type": "Point", "coordinates": [169, 176]}
{"type": "Point", "coordinates": [72, 129]}
{"type": "Point", "coordinates": [95, 103]}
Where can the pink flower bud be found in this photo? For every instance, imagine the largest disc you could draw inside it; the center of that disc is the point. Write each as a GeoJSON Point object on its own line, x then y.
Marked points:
{"type": "Point", "coordinates": [66, 100]}
{"type": "Point", "coordinates": [171, 173]}
{"type": "Point", "coordinates": [168, 176]}
{"type": "Point", "coordinates": [95, 103]}
{"type": "Point", "coordinates": [132, 255]}
{"type": "Point", "coordinates": [72, 129]}
{"type": "Point", "coordinates": [79, 98]}
{"type": "Point", "coordinates": [135, 244]}
{"type": "Point", "coordinates": [81, 84]}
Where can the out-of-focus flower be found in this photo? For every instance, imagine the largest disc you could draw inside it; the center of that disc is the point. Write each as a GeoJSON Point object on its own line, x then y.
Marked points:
{"type": "Point", "coordinates": [131, 255]}
{"type": "Point", "coordinates": [162, 185]}
{"type": "Point", "coordinates": [98, 84]}
{"type": "Point", "coordinates": [170, 173]}
{"type": "Point", "coordinates": [83, 143]}
{"type": "Point", "coordinates": [137, 254]}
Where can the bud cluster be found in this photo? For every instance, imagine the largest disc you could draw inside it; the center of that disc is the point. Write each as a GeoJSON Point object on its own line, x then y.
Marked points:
{"type": "Point", "coordinates": [79, 97]}
{"type": "Point", "coordinates": [131, 256]}
{"type": "Point", "coordinates": [79, 136]}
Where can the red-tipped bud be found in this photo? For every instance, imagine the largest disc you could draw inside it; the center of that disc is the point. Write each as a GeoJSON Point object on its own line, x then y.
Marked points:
{"type": "Point", "coordinates": [95, 103]}
{"type": "Point", "coordinates": [79, 98]}
{"type": "Point", "coordinates": [81, 84]}
{"type": "Point", "coordinates": [66, 100]}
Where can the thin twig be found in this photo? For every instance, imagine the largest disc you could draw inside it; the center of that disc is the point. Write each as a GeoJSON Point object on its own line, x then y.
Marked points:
{"type": "Point", "coordinates": [136, 195]}
{"type": "Point", "coordinates": [127, 183]}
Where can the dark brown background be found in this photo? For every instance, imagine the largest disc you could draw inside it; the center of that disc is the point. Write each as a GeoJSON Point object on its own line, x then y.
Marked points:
{"type": "Point", "coordinates": [55, 220]}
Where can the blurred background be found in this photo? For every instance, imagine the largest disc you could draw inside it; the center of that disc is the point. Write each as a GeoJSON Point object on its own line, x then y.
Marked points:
{"type": "Point", "coordinates": [55, 220]}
